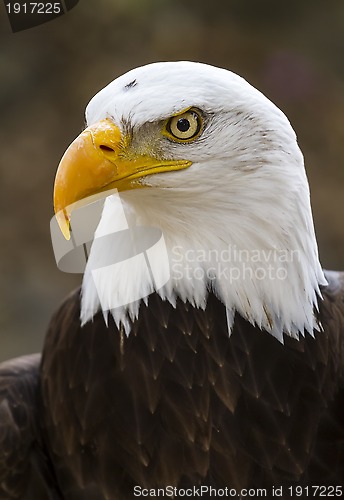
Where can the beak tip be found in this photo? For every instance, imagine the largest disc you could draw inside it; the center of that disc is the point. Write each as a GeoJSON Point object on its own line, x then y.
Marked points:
{"type": "Point", "coordinates": [66, 234]}
{"type": "Point", "coordinates": [64, 223]}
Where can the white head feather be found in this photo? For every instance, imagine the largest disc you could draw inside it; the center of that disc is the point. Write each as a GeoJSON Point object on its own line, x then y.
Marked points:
{"type": "Point", "coordinates": [237, 222]}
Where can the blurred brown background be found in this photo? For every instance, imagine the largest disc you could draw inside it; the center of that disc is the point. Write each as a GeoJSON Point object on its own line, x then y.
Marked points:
{"type": "Point", "coordinates": [293, 51]}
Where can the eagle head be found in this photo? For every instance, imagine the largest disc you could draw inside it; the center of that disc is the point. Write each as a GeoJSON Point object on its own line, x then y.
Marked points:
{"type": "Point", "coordinates": [199, 153]}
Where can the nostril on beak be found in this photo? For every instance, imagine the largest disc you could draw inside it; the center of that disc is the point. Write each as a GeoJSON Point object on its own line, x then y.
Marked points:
{"type": "Point", "coordinates": [106, 149]}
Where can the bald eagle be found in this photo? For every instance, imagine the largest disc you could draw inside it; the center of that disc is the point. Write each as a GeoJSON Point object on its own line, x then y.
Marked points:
{"type": "Point", "coordinates": [227, 375]}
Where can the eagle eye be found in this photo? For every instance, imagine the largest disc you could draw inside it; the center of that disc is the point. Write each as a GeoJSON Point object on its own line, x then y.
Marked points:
{"type": "Point", "coordinates": [184, 127]}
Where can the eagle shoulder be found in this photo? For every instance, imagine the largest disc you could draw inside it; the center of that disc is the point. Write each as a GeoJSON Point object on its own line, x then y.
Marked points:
{"type": "Point", "coordinates": [332, 318]}
{"type": "Point", "coordinates": [23, 465]}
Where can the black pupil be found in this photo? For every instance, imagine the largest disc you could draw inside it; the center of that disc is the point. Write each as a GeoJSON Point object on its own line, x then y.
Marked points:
{"type": "Point", "coordinates": [183, 125]}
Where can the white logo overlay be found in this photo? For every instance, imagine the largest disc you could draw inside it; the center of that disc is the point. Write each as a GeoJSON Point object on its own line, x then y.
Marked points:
{"type": "Point", "coordinates": [132, 246]}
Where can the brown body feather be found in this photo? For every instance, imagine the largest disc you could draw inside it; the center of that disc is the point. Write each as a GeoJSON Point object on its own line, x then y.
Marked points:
{"type": "Point", "coordinates": [176, 403]}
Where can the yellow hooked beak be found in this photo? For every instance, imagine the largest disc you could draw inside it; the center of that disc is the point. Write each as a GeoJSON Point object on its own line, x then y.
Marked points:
{"type": "Point", "coordinates": [97, 161]}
